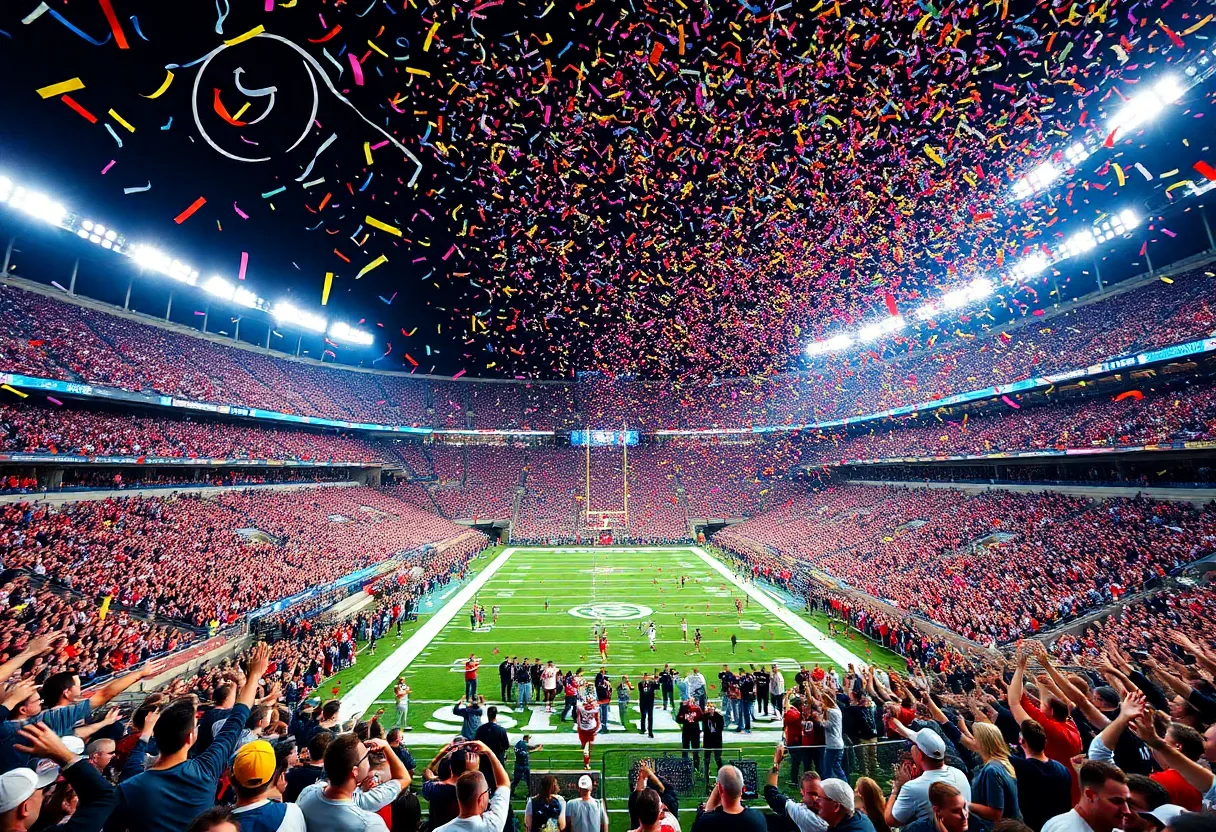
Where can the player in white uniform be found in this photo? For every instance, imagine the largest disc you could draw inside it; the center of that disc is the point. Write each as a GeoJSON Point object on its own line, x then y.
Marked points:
{"type": "Point", "coordinates": [650, 635]}
{"type": "Point", "coordinates": [587, 723]}
{"type": "Point", "coordinates": [402, 691]}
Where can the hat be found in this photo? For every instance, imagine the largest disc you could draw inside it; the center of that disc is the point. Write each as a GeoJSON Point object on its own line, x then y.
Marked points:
{"type": "Point", "coordinates": [585, 782]}
{"type": "Point", "coordinates": [255, 764]}
{"type": "Point", "coordinates": [838, 791]}
{"type": "Point", "coordinates": [73, 744]}
{"type": "Point", "coordinates": [19, 785]}
{"type": "Point", "coordinates": [1108, 695]}
{"type": "Point", "coordinates": [930, 744]}
{"type": "Point", "coordinates": [1164, 814]}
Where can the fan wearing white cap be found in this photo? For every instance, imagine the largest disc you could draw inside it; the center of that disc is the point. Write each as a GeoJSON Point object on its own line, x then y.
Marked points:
{"type": "Point", "coordinates": [909, 798]}
{"type": "Point", "coordinates": [585, 813]}
{"type": "Point", "coordinates": [21, 788]}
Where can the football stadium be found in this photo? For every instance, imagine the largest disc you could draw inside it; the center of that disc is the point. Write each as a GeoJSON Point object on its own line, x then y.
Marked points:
{"type": "Point", "coordinates": [611, 415]}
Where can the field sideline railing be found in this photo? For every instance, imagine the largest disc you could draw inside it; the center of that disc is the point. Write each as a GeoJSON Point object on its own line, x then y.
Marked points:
{"type": "Point", "coordinates": [693, 782]}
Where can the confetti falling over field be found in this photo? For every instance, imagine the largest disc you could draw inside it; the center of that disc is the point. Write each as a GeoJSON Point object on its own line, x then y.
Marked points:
{"type": "Point", "coordinates": [670, 189]}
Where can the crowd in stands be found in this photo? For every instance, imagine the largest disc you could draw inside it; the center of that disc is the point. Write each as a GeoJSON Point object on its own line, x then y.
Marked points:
{"type": "Point", "coordinates": [1184, 414]}
{"type": "Point", "coordinates": [945, 554]}
{"type": "Point", "coordinates": [182, 557]}
{"type": "Point", "coordinates": [69, 430]}
{"type": "Point", "coordinates": [93, 645]}
{"type": "Point", "coordinates": [51, 338]}
{"type": "Point", "coordinates": [1147, 628]}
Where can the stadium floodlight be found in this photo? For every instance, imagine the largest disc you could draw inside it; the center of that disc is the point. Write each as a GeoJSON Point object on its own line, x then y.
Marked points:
{"type": "Point", "coordinates": [38, 205]}
{"type": "Point", "coordinates": [1129, 218]}
{"type": "Point", "coordinates": [6, 188]}
{"type": "Point", "coordinates": [1078, 243]}
{"type": "Point", "coordinates": [925, 312]}
{"type": "Point", "coordinates": [286, 313]}
{"type": "Point", "coordinates": [1030, 266]}
{"type": "Point", "coordinates": [219, 287]}
{"type": "Point", "coordinates": [1169, 89]}
{"type": "Point", "coordinates": [341, 331]}
{"type": "Point", "coordinates": [1043, 175]}
{"type": "Point", "coordinates": [872, 332]}
{"type": "Point", "coordinates": [979, 288]}
{"type": "Point", "coordinates": [1148, 105]}
{"type": "Point", "coordinates": [955, 299]}
{"type": "Point", "coordinates": [834, 344]}
{"type": "Point", "coordinates": [1076, 153]}
{"type": "Point", "coordinates": [1039, 179]}
{"type": "Point", "coordinates": [156, 260]}
{"type": "Point", "coordinates": [244, 297]}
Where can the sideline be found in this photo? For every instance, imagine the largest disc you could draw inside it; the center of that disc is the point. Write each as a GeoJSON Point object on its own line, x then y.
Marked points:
{"type": "Point", "coordinates": [824, 644]}
{"type": "Point", "coordinates": [363, 694]}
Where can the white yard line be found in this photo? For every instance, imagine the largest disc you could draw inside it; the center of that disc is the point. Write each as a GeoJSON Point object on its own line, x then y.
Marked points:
{"type": "Point", "coordinates": [796, 623]}
{"type": "Point", "coordinates": [373, 684]}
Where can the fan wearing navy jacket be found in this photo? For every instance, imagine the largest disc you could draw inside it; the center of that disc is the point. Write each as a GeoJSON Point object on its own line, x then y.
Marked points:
{"type": "Point", "coordinates": [167, 796]}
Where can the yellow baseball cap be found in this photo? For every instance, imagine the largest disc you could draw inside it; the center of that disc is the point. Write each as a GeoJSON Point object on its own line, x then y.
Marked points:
{"type": "Point", "coordinates": [255, 764]}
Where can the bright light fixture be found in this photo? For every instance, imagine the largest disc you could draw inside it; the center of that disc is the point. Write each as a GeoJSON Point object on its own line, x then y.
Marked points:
{"type": "Point", "coordinates": [286, 313]}
{"type": "Point", "coordinates": [38, 205]}
{"type": "Point", "coordinates": [341, 331]}
{"type": "Point", "coordinates": [1079, 243]}
{"type": "Point", "coordinates": [244, 297]}
{"type": "Point", "coordinates": [1168, 89]}
{"type": "Point", "coordinates": [1076, 153]}
{"type": "Point", "coordinates": [979, 288]}
{"type": "Point", "coordinates": [219, 287]}
{"type": "Point", "coordinates": [1031, 265]}
{"type": "Point", "coordinates": [834, 344]}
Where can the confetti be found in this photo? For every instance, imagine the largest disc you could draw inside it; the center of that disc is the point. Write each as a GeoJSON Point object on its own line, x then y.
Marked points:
{"type": "Point", "coordinates": [194, 206]}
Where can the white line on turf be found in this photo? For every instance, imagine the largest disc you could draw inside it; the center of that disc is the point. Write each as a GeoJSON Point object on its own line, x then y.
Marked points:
{"type": "Point", "coordinates": [362, 694]}
{"type": "Point", "coordinates": [825, 645]}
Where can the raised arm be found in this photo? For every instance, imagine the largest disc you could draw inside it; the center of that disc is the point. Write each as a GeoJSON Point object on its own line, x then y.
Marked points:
{"type": "Point", "coordinates": [1197, 774]}
{"type": "Point", "coordinates": [37, 646]}
{"type": "Point", "coordinates": [1131, 708]}
{"type": "Point", "coordinates": [122, 683]}
{"type": "Point", "coordinates": [1015, 692]}
{"type": "Point", "coordinates": [1070, 692]}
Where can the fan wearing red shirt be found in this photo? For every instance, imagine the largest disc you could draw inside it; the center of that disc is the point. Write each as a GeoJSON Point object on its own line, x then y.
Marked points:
{"type": "Point", "coordinates": [1063, 738]}
{"type": "Point", "coordinates": [791, 726]}
{"type": "Point", "coordinates": [1190, 743]}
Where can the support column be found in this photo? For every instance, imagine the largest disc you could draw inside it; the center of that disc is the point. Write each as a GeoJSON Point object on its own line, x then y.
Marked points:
{"type": "Point", "coordinates": [75, 271]}
{"type": "Point", "coordinates": [126, 304]}
{"type": "Point", "coordinates": [169, 308]}
{"type": "Point", "coordinates": [8, 254]}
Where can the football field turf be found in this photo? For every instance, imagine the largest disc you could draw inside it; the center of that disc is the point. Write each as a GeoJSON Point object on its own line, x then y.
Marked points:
{"type": "Point", "coordinates": [623, 589]}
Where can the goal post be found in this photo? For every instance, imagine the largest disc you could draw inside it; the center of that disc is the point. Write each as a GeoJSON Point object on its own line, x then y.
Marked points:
{"type": "Point", "coordinates": [611, 517]}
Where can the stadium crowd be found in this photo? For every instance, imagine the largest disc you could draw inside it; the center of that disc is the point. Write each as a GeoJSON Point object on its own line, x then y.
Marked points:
{"type": "Point", "coordinates": [55, 339]}
{"type": "Point", "coordinates": [30, 429]}
{"type": "Point", "coordinates": [182, 557]}
{"type": "Point", "coordinates": [943, 554]}
{"type": "Point", "coordinates": [1187, 414]}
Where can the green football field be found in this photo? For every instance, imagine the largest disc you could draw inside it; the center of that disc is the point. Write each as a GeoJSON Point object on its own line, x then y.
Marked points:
{"type": "Point", "coordinates": [551, 600]}
{"type": "Point", "coordinates": [621, 588]}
